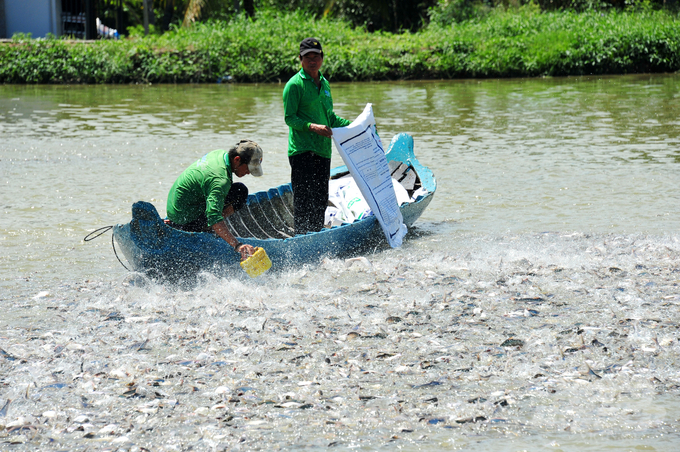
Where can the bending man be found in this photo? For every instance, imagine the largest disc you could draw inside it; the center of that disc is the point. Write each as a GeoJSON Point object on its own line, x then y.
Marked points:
{"type": "Point", "coordinates": [203, 195]}
{"type": "Point", "coordinates": [308, 109]}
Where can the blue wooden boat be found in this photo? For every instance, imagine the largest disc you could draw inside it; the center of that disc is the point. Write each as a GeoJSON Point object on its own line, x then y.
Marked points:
{"type": "Point", "coordinates": [162, 252]}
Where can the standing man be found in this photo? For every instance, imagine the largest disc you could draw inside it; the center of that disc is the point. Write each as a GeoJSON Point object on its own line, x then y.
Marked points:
{"type": "Point", "coordinates": [203, 195]}
{"type": "Point", "coordinates": [308, 109]}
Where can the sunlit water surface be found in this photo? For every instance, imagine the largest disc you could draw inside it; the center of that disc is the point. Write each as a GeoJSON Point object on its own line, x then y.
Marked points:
{"type": "Point", "coordinates": [534, 306]}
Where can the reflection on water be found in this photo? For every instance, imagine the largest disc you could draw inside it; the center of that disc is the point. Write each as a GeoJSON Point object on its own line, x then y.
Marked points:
{"type": "Point", "coordinates": [134, 111]}
{"type": "Point", "coordinates": [555, 224]}
{"type": "Point", "coordinates": [636, 116]}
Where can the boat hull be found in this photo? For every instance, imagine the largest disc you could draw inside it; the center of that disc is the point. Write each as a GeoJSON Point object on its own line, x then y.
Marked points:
{"type": "Point", "coordinates": [160, 251]}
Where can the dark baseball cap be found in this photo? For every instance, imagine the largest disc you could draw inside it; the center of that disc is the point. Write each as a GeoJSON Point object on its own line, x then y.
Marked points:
{"type": "Point", "coordinates": [310, 45]}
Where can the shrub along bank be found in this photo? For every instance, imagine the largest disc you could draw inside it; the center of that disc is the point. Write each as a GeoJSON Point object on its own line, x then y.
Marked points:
{"type": "Point", "coordinates": [518, 43]}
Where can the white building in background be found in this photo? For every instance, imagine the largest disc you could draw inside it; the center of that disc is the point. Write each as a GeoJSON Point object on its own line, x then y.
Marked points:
{"type": "Point", "coordinates": [74, 18]}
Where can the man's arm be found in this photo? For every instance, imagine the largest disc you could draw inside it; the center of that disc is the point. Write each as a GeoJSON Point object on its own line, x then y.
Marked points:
{"type": "Point", "coordinates": [213, 211]}
{"type": "Point", "coordinates": [222, 231]}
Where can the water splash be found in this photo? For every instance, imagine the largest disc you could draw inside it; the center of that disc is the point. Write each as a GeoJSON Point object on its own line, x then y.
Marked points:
{"type": "Point", "coordinates": [572, 338]}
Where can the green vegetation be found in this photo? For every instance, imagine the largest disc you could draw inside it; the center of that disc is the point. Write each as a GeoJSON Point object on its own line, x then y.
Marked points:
{"type": "Point", "coordinates": [392, 15]}
{"type": "Point", "coordinates": [500, 43]}
{"type": "Point", "coordinates": [372, 15]}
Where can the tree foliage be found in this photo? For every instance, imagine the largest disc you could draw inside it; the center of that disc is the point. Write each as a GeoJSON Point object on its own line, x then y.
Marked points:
{"type": "Point", "coordinates": [447, 12]}
{"type": "Point", "coordinates": [370, 15]}
{"type": "Point", "coordinates": [521, 43]}
{"type": "Point", "coordinates": [373, 15]}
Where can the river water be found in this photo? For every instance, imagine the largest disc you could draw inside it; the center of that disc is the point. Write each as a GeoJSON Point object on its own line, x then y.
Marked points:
{"type": "Point", "coordinates": [534, 305]}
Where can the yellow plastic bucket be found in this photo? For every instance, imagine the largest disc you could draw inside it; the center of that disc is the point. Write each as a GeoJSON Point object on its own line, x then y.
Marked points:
{"type": "Point", "coordinates": [257, 264]}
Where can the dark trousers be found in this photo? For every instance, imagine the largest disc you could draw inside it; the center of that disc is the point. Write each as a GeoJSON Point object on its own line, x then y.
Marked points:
{"type": "Point", "coordinates": [237, 196]}
{"type": "Point", "coordinates": [309, 177]}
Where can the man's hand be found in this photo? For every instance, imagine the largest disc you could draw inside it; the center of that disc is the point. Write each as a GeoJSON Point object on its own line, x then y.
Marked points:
{"type": "Point", "coordinates": [324, 131]}
{"type": "Point", "coordinates": [245, 251]}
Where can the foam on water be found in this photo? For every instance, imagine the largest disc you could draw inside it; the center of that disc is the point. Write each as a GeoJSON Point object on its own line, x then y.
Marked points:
{"type": "Point", "coordinates": [534, 340]}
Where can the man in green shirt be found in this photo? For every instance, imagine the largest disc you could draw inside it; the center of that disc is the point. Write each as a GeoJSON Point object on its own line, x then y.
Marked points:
{"type": "Point", "coordinates": [308, 109]}
{"type": "Point", "coordinates": [203, 195]}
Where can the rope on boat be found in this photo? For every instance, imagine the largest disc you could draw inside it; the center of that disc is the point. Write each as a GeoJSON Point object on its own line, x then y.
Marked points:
{"type": "Point", "coordinates": [104, 230]}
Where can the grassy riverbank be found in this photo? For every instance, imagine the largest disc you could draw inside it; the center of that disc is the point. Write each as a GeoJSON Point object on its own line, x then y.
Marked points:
{"type": "Point", "coordinates": [517, 43]}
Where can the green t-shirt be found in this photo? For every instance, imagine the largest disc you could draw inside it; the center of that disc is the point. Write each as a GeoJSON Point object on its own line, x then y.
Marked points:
{"type": "Point", "coordinates": [201, 188]}
{"type": "Point", "coordinates": [305, 104]}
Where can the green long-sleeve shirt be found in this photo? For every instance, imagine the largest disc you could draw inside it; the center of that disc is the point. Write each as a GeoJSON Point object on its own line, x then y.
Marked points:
{"type": "Point", "coordinates": [201, 188]}
{"type": "Point", "coordinates": [305, 104]}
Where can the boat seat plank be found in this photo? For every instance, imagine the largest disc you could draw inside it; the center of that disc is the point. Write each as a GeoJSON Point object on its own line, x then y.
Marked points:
{"type": "Point", "coordinates": [409, 180]}
{"type": "Point", "coordinates": [397, 169]}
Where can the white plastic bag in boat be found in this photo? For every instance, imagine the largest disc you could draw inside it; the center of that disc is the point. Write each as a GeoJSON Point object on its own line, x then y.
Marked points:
{"type": "Point", "coordinates": [355, 202]}
{"type": "Point", "coordinates": [333, 217]}
{"type": "Point", "coordinates": [400, 192]}
{"type": "Point", "coordinates": [347, 204]}
{"type": "Point", "coordinates": [336, 212]}
{"type": "Point", "coordinates": [420, 193]}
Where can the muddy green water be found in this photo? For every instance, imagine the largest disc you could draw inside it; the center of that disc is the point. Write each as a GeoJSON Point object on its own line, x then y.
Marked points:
{"type": "Point", "coordinates": [556, 222]}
